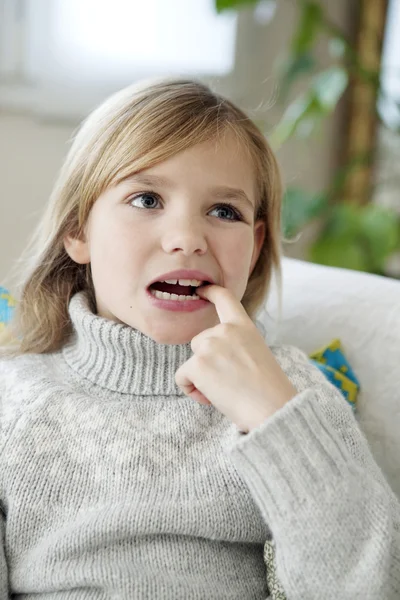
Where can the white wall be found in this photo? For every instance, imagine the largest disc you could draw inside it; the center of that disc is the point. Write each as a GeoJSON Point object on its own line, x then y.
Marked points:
{"type": "Point", "coordinates": [30, 155]}
{"type": "Point", "coordinates": [32, 149]}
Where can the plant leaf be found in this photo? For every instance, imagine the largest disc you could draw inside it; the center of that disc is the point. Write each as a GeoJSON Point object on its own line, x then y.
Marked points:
{"type": "Point", "coordinates": [329, 86]}
{"type": "Point", "coordinates": [222, 5]}
{"type": "Point", "coordinates": [340, 243]}
{"type": "Point", "coordinates": [381, 228]}
{"type": "Point", "coordinates": [326, 89]}
{"type": "Point", "coordinates": [309, 25]}
{"type": "Point", "coordinates": [358, 237]}
{"type": "Point", "coordinates": [345, 220]}
{"type": "Point", "coordinates": [337, 250]}
{"type": "Point", "coordinates": [303, 107]}
{"type": "Point", "coordinates": [300, 207]}
{"type": "Point", "coordinates": [337, 47]}
{"type": "Point", "coordinates": [291, 69]}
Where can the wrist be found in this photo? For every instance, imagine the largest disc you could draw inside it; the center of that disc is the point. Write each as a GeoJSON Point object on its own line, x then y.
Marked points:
{"type": "Point", "coordinates": [259, 417]}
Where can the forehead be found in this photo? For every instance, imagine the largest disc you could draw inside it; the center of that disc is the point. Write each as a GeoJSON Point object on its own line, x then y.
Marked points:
{"type": "Point", "coordinates": [223, 160]}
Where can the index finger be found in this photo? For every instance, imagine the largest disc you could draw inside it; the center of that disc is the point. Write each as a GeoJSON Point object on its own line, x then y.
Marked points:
{"type": "Point", "coordinates": [228, 307]}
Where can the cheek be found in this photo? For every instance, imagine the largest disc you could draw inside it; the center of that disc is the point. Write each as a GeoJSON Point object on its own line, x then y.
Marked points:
{"type": "Point", "coordinates": [236, 260]}
{"type": "Point", "coordinates": [116, 252]}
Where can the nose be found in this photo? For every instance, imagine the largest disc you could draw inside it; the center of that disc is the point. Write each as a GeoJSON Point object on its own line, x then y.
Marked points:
{"type": "Point", "coordinates": [186, 235]}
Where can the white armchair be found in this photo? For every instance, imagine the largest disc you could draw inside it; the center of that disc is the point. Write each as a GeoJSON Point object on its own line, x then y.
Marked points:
{"type": "Point", "coordinates": [363, 311]}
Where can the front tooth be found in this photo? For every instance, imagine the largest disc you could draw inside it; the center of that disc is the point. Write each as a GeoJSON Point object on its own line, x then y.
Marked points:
{"type": "Point", "coordinates": [176, 297]}
{"type": "Point", "coordinates": [189, 282]}
{"type": "Point", "coordinates": [173, 281]}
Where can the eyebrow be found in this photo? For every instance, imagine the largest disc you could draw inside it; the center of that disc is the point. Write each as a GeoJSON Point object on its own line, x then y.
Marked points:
{"type": "Point", "coordinates": [226, 192]}
{"type": "Point", "coordinates": [219, 191]}
{"type": "Point", "coordinates": [149, 180]}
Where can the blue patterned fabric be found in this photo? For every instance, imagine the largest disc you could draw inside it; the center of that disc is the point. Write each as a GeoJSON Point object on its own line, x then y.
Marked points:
{"type": "Point", "coordinates": [7, 305]}
{"type": "Point", "coordinates": [336, 368]}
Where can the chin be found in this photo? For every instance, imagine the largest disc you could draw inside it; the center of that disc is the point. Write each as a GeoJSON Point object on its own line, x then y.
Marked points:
{"type": "Point", "coordinates": [172, 335]}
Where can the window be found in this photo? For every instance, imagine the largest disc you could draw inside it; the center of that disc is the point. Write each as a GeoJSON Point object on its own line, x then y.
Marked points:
{"type": "Point", "coordinates": [65, 55]}
{"type": "Point", "coordinates": [389, 102]}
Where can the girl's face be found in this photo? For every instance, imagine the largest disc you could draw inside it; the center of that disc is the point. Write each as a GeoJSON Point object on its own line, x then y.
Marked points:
{"type": "Point", "coordinates": [192, 211]}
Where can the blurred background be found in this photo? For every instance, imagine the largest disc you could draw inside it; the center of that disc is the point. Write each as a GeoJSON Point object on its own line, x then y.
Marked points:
{"type": "Point", "coordinates": [320, 78]}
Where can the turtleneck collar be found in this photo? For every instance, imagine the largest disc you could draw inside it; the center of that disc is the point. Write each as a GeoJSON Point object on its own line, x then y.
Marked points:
{"type": "Point", "coordinates": [120, 358]}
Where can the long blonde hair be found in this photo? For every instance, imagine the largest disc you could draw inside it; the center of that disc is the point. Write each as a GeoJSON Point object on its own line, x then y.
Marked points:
{"type": "Point", "coordinates": [132, 130]}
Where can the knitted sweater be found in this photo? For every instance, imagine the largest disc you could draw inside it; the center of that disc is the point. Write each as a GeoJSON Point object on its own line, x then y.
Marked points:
{"type": "Point", "coordinates": [115, 485]}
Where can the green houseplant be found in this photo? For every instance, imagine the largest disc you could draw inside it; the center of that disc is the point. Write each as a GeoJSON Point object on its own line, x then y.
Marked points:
{"type": "Point", "coordinates": [351, 235]}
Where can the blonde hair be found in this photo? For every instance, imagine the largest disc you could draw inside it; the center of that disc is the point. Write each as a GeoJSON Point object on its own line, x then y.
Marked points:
{"type": "Point", "coordinates": [132, 130]}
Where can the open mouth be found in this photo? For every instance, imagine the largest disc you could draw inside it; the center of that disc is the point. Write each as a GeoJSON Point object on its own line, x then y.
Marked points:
{"type": "Point", "coordinates": [176, 289]}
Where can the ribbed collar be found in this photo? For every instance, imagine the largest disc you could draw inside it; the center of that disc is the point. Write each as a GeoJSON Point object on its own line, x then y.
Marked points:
{"type": "Point", "coordinates": [120, 358]}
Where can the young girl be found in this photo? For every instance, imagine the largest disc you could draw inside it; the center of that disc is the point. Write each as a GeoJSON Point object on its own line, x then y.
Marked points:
{"type": "Point", "coordinates": [152, 444]}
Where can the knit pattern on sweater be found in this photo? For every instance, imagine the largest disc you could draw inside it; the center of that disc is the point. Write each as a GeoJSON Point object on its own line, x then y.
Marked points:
{"type": "Point", "coordinates": [113, 484]}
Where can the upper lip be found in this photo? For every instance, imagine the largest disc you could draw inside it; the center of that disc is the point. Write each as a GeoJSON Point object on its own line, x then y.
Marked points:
{"type": "Point", "coordinates": [183, 274]}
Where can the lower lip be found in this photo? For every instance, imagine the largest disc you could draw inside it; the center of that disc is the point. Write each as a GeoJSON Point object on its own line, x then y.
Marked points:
{"type": "Point", "coordinates": [177, 305]}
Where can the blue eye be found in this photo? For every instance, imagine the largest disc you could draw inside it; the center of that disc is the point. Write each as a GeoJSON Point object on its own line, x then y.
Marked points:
{"type": "Point", "coordinates": [228, 208]}
{"type": "Point", "coordinates": [150, 199]}
{"type": "Point", "coordinates": [146, 200]}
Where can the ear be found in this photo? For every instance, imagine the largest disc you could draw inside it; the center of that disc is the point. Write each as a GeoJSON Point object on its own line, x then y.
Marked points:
{"type": "Point", "coordinates": [77, 249]}
{"type": "Point", "coordinates": [259, 236]}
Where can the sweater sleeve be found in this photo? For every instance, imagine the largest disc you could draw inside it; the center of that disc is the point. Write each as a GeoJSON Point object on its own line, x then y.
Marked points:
{"type": "Point", "coordinates": [334, 519]}
{"type": "Point", "coordinates": [3, 565]}
{"type": "Point", "coordinates": [5, 421]}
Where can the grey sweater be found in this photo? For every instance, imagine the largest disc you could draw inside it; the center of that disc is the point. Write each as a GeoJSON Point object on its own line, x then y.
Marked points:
{"type": "Point", "coordinates": [113, 484]}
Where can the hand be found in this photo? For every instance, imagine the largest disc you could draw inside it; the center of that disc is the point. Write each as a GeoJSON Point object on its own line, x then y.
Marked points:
{"type": "Point", "coordinates": [232, 366]}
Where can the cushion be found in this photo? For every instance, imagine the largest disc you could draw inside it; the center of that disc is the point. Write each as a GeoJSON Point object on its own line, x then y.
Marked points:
{"type": "Point", "coordinates": [362, 310]}
{"type": "Point", "coordinates": [7, 304]}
